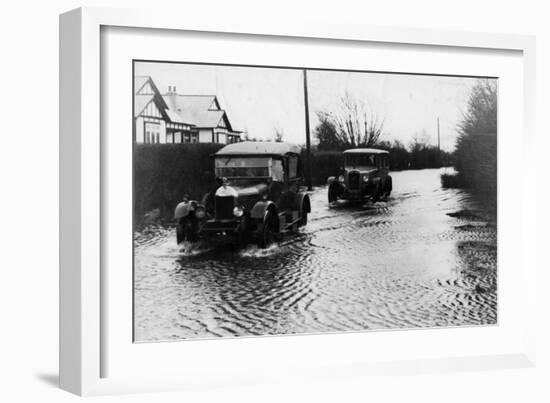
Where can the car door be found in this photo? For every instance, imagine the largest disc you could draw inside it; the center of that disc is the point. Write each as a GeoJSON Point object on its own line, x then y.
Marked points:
{"type": "Point", "coordinates": [292, 181]}
{"type": "Point", "coordinates": [383, 169]}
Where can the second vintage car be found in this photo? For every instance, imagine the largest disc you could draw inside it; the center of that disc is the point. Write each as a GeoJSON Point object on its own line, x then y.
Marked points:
{"type": "Point", "coordinates": [258, 196]}
{"type": "Point", "coordinates": [365, 174]}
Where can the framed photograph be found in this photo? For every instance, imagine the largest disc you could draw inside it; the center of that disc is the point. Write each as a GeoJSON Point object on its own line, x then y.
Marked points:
{"type": "Point", "coordinates": [244, 202]}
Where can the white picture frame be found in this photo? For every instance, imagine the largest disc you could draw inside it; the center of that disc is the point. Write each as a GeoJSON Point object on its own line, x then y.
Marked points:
{"type": "Point", "coordinates": [81, 300]}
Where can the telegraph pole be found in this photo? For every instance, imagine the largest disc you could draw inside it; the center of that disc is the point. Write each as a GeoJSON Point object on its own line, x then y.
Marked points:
{"type": "Point", "coordinates": [438, 144]}
{"type": "Point", "coordinates": [308, 141]}
{"type": "Point", "coordinates": [438, 137]}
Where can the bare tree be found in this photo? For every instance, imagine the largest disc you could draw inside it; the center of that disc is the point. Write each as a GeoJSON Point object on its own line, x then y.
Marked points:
{"type": "Point", "coordinates": [420, 141]}
{"type": "Point", "coordinates": [247, 137]}
{"type": "Point", "coordinates": [475, 156]}
{"type": "Point", "coordinates": [279, 135]}
{"type": "Point", "coordinates": [355, 124]}
{"type": "Point", "coordinates": [325, 132]}
{"type": "Point", "coordinates": [481, 116]}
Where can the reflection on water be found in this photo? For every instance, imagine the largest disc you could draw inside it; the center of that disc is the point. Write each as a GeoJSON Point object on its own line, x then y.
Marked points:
{"type": "Point", "coordinates": [400, 263]}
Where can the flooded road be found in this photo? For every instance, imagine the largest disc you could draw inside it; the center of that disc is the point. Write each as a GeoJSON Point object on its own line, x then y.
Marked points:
{"type": "Point", "coordinates": [425, 257]}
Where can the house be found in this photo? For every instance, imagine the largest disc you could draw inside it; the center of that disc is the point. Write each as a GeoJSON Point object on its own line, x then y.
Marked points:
{"type": "Point", "coordinates": [176, 118]}
{"type": "Point", "coordinates": [204, 111]}
{"type": "Point", "coordinates": [154, 123]}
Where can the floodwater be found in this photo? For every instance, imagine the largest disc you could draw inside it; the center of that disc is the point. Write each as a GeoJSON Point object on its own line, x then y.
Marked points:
{"type": "Point", "coordinates": [426, 257]}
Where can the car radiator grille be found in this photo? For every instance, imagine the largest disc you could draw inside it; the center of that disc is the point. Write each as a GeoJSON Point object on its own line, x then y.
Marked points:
{"type": "Point", "coordinates": [353, 180]}
{"type": "Point", "coordinates": [224, 207]}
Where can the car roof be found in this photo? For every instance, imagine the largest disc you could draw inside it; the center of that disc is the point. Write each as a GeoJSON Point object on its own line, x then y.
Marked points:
{"type": "Point", "coordinates": [365, 151]}
{"type": "Point", "coordinates": [258, 148]}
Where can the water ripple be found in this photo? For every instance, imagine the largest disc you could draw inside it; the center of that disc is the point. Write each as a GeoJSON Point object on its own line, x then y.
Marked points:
{"type": "Point", "coordinates": [399, 263]}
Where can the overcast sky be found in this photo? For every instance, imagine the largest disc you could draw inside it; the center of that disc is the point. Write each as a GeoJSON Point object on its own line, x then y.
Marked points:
{"type": "Point", "coordinates": [261, 100]}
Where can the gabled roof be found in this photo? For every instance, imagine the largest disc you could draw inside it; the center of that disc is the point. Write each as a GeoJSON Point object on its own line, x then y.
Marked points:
{"type": "Point", "coordinates": [140, 102]}
{"type": "Point", "coordinates": [258, 148]}
{"type": "Point", "coordinates": [203, 102]}
{"type": "Point", "coordinates": [176, 117]}
{"type": "Point", "coordinates": [365, 151]}
{"type": "Point", "coordinates": [139, 82]}
{"type": "Point", "coordinates": [200, 110]}
{"type": "Point", "coordinates": [202, 118]}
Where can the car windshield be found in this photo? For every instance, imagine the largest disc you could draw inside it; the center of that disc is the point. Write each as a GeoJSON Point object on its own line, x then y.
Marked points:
{"type": "Point", "coordinates": [249, 167]}
{"type": "Point", "coordinates": [360, 160]}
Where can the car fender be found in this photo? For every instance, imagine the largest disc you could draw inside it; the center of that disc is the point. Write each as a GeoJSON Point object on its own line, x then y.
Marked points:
{"type": "Point", "coordinates": [205, 197]}
{"type": "Point", "coordinates": [340, 187]}
{"type": "Point", "coordinates": [183, 209]}
{"type": "Point", "coordinates": [389, 183]}
{"type": "Point", "coordinates": [331, 180]}
{"type": "Point", "coordinates": [301, 199]}
{"type": "Point", "coordinates": [260, 208]}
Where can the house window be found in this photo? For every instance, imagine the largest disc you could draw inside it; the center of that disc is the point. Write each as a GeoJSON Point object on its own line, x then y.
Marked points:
{"type": "Point", "coordinates": [194, 137]}
{"type": "Point", "coordinates": [187, 138]}
{"type": "Point", "coordinates": [177, 137]}
{"type": "Point", "coordinates": [169, 137]}
{"type": "Point", "coordinates": [152, 132]}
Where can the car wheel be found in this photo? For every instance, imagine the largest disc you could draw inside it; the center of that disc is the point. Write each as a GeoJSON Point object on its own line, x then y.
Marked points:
{"type": "Point", "coordinates": [376, 194]}
{"type": "Point", "coordinates": [188, 231]}
{"type": "Point", "coordinates": [179, 234]}
{"type": "Point", "coordinates": [294, 227]}
{"type": "Point", "coordinates": [332, 194]}
{"type": "Point", "coordinates": [303, 217]}
{"type": "Point", "coordinates": [185, 231]}
{"type": "Point", "coordinates": [389, 186]}
{"type": "Point", "coordinates": [265, 236]}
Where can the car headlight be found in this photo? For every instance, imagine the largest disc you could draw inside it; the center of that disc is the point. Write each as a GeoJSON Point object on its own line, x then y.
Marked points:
{"type": "Point", "coordinates": [200, 212]}
{"type": "Point", "coordinates": [238, 211]}
{"type": "Point", "coordinates": [365, 178]}
{"type": "Point", "coordinates": [341, 178]}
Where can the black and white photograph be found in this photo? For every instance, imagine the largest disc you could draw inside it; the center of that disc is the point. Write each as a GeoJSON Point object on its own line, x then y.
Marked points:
{"type": "Point", "coordinates": [302, 201]}
{"type": "Point", "coordinates": [276, 200]}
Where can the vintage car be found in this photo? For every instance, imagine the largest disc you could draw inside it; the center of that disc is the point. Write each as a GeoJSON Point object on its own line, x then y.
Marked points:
{"type": "Point", "coordinates": [365, 174]}
{"type": "Point", "coordinates": [258, 196]}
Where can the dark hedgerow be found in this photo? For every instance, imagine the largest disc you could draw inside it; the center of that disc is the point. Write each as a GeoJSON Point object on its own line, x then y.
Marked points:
{"type": "Point", "coordinates": [323, 164]}
{"type": "Point", "coordinates": [452, 181]}
{"type": "Point", "coordinates": [163, 173]}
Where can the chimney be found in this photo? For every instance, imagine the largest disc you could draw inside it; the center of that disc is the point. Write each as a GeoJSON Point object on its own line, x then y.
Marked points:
{"type": "Point", "coordinates": [171, 97]}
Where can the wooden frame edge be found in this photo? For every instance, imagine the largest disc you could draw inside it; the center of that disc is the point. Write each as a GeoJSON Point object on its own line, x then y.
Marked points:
{"type": "Point", "coordinates": [70, 294]}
